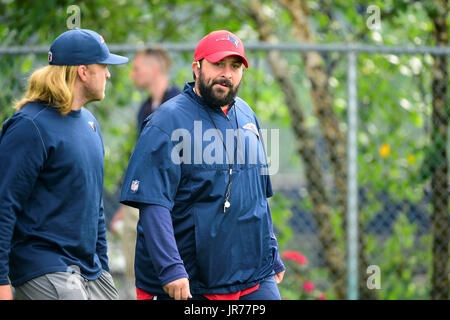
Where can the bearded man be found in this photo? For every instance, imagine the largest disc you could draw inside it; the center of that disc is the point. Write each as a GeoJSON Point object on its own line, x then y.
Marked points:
{"type": "Point", "coordinates": [198, 176]}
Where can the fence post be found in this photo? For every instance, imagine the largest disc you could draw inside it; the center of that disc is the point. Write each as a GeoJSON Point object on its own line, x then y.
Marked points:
{"type": "Point", "coordinates": [352, 183]}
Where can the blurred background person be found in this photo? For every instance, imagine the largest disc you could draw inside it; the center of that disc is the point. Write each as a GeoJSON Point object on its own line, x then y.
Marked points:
{"type": "Point", "coordinates": [150, 72]}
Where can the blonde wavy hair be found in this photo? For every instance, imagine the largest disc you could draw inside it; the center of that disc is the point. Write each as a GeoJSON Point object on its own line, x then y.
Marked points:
{"type": "Point", "coordinates": [52, 85]}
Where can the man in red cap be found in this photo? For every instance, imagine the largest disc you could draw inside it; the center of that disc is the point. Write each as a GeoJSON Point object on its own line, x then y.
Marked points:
{"type": "Point", "coordinates": [221, 50]}
{"type": "Point", "coordinates": [205, 228]}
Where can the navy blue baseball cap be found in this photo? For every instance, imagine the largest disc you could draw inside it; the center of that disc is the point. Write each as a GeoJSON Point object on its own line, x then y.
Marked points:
{"type": "Point", "coordinates": [81, 46]}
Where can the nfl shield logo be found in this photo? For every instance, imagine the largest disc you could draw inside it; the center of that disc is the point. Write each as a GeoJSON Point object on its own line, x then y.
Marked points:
{"type": "Point", "coordinates": [134, 186]}
{"type": "Point", "coordinates": [92, 124]}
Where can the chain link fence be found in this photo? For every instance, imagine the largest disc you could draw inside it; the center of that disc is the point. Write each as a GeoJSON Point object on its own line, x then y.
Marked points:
{"type": "Point", "coordinates": [373, 209]}
{"type": "Point", "coordinates": [361, 188]}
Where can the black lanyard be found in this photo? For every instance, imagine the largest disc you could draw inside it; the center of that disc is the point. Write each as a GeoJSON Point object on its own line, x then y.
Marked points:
{"type": "Point", "coordinates": [227, 203]}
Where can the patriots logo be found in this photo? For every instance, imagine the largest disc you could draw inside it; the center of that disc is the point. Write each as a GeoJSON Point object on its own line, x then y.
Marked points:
{"type": "Point", "coordinates": [92, 124]}
{"type": "Point", "coordinates": [233, 40]}
{"type": "Point", "coordinates": [49, 56]}
{"type": "Point", "coordinates": [252, 127]}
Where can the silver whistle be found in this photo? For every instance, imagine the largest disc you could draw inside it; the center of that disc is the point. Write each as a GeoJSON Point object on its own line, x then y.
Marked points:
{"type": "Point", "coordinates": [226, 205]}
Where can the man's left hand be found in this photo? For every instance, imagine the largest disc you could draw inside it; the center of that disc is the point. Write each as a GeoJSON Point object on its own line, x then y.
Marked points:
{"type": "Point", "coordinates": [279, 277]}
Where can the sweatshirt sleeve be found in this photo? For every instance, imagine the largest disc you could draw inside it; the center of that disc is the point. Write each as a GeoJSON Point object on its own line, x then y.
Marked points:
{"type": "Point", "coordinates": [102, 248]}
{"type": "Point", "coordinates": [22, 156]}
{"type": "Point", "coordinates": [265, 161]}
{"type": "Point", "coordinates": [154, 171]}
{"type": "Point", "coordinates": [161, 244]}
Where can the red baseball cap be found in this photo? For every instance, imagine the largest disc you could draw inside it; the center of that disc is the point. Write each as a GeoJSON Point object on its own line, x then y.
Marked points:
{"type": "Point", "coordinates": [218, 45]}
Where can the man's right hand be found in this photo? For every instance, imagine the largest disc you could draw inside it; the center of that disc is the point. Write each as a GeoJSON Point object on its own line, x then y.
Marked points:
{"type": "Point", "coordinates": [178, 289]}
{"type": "Point", "coordinates": [5, 292]}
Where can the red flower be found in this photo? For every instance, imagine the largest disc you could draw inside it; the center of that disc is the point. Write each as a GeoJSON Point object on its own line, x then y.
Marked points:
{"type": "Point", "coordinates": [322, 296]}
{"type": "Point", "coordinates": [308, 286]}
{"type": "Point", "coordinates": [295, 256]}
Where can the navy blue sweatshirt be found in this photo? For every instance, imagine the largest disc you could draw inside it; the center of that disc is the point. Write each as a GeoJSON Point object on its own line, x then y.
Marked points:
{"type": "Point", "coordinates": [147, 107]}
{"type": "Point", "coordinates": [51, 182]}
{"type": "Point", "coordinates": [177, 165]}
{"type": "Point", "coordinates": [162, 247]}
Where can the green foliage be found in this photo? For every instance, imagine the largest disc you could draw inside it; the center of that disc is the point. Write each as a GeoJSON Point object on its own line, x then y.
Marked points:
{"type": "Point", "coordinates": [404, 260]}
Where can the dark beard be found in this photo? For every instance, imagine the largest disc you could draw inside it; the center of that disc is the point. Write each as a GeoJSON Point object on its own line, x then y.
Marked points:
{"type": "Point", "coordinates": [212, 100]}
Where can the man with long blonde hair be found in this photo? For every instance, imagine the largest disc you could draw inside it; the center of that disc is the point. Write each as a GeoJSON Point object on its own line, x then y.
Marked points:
{"type": "Point", "coordinates": [52, 225]}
